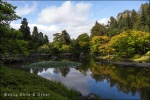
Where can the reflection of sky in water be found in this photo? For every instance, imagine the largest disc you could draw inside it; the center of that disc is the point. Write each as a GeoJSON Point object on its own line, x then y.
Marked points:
{"type": "Point", "coordinates": [86, 84]}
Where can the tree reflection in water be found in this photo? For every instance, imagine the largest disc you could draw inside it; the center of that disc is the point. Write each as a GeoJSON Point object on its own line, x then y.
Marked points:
{"type": "Point", "coordinates": [126, 79]}
{"type": "Point", "coordinates": [64, 71]}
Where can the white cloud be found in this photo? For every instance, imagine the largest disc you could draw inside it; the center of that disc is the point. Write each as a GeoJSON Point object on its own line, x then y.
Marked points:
{"type": "Point", "coordinates": [49, 30]}
{"type": "Point", "coordinates": [74, 31]}
{"type": "Point", "coordinates": [74, 18]}
{"type": "Point", "coordinates": [14, 25]}
{"type": "Point", "coordinates": [44, 28]}
{"type": "Point", "coordinates": [26, 9]}
{"type": "Point", "coordinates": [103, 21]}
{"type": "Point", "coordinates": [68, 13]}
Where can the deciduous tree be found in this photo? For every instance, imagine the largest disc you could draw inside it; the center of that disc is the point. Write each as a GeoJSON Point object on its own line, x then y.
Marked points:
{"type": "Point", "coordinates": [10, 39]}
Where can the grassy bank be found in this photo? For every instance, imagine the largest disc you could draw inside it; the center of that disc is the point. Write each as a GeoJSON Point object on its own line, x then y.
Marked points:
{"type": "Point", "coordinates": [136, 58]}
{"type": "Point", "coordinates": [144, 58]}
{"type": "Point", "coordinates": [16, 84]}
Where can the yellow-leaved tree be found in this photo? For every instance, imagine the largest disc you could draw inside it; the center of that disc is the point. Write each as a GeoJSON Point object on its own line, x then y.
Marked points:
{"type": "Point", "coordinates": [131, 42]}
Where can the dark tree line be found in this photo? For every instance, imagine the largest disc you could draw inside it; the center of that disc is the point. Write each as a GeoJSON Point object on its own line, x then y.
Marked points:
{"type": "Point", "coordinates": [35, 39]}
{"type": "Point", "coordinates": [12, 41]}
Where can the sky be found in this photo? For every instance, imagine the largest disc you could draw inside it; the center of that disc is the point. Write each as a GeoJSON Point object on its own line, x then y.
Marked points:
{"type": "Point", "coordinates": [75, 16]}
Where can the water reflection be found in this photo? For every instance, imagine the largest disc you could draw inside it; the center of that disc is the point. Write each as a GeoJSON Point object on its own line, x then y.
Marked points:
{"type": "Point", "coordinates": [105, 80]}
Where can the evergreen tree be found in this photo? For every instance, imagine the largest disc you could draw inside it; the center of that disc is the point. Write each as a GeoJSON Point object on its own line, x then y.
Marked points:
{"type": "Point", "coordinates": [24, 28]}
{"type": "Point", "coordinates": [112, 27]}
{"type": "Point", "coordinates": [40, 39]}
{"type": "Point", "coordinates": [98, 30]}
{"type": "Point", "coordinates": [46, 39]}
{"type": "Point", "coordinates": [65, 38]}
{"type": "Point", "coordinates": [134, 17]}
{"type": "Point", "coordinates": [40, 36]}
{"type": "Point", "coordinates": [129, 21]}
{"type": "Point", "coordinates": [112, 23]}
{"type": "Point", "coordinates": [35, 33]}
{"type": "Point", "coordinates": [143, 18]}
{"type": "Point", "coordinates": [57, 37]}
{"type": "Point", "coordinates": [120, 22]}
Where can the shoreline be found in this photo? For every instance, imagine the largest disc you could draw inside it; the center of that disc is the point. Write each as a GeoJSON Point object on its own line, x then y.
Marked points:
{"type": "Point", "coordinates": [131, 64]}
{"type": "Point", "coordinates": [136, 64]}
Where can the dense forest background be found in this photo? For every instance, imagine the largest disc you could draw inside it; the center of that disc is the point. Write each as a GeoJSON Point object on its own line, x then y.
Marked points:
{"type": "Point", "coordinates": [126, 36]}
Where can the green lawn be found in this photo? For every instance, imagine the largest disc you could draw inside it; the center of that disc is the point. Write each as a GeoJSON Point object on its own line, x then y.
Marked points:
{"type": "Point", "coordinates": [17, 84]}
{"type": "Point", "coordinates": [144, 58]}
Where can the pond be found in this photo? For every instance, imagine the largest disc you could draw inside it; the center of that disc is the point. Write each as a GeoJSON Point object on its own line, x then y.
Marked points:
{"type": "Point", "coordinates": [105, 80]}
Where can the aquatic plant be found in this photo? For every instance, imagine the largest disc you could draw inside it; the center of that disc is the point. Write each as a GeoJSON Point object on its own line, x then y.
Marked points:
{"type": "Point", "coordinates": [53, 64]}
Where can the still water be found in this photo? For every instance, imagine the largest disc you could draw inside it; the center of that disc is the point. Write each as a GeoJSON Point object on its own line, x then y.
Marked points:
{"type": "Point", "coordinates": [105, 80]}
